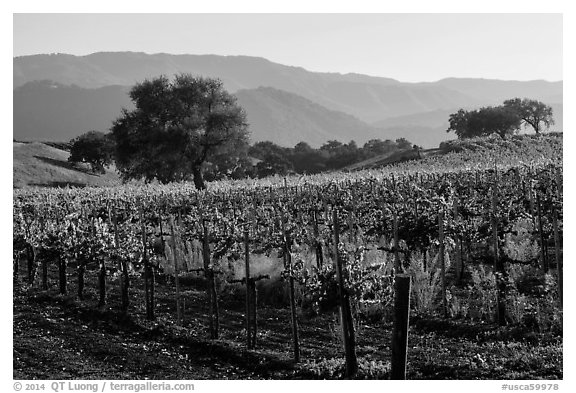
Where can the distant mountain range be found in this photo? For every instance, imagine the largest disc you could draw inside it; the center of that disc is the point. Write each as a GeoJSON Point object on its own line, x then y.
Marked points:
{"type": "Point", "coordinates": [58, 97]}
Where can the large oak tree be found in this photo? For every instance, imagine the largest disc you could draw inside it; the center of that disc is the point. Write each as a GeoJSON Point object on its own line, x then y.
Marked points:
{"type": "Point", "coordinates": [175, 127]}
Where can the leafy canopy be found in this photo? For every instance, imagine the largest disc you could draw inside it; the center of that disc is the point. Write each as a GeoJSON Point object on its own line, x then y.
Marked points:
{"type": "Point", "coordinates": [532, 112]}
{"type": "Point", "coordinates": [502, 120]}
{"type": "Point", "coordinates": [483, 122]}
{"type": "Point", "coordinates": [176, 127]}
{"type": "Point", "coordinates": [94, 148]}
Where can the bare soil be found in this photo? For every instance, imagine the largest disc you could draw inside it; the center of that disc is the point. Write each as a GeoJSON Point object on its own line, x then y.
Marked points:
{"type": "Point", "coordinates": [60, 337]}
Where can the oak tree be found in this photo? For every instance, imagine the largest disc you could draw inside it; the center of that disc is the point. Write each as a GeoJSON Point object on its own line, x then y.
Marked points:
{"type": "Point", "coordinates": [483, 122]}
{"type": "Point", "coordinates": [94, 148]}
{"type": "Point", "coordinates": [532, 112]}
{"type": "Point", "coordinates": [176, 127]}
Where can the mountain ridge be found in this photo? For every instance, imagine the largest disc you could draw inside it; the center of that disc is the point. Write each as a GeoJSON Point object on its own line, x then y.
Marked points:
{"type": "Point", "coordinates": [42, 114]}
{"type": "Point", "coordinates": [369, 98]}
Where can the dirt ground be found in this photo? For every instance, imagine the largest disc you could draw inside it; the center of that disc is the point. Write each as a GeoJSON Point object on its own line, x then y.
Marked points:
{"type": "Point", "coordinates": [60, 337]}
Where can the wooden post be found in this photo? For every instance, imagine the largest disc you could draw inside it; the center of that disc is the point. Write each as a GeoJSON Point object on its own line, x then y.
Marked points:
{"type": "Point", "coordinates": [254, 301]}
{"type": "Point", "coordinates": [81, 272]}
{"type": "Point", "coordinates": [541, 233]}
{"type": "Point", "coordinates": [442, 261]}
{"type": "Point", "coordinates": [102, 283]}
{"type": "Point", "coordinates": [557, 238]}
{"type": "Point", "coordinates": [211, 287]}
{"type": "Point", "coordinates": [559, 185]}
{"type": "Point", "coordinates": [498, 264]}
{"type": "Point", "coordinates": [249, 337]}
{"type": "Point", "coordinates": [351, 237]}
{"type": "Point", "coordinates": [397, 263]}
{"type": "Point", "coordinates": [81, 266]}
{"type": "Point", "coordinates": [31, 262]}
{"type": "Point", "coordinates": [293, 315]}
{"type": "Point", "coordinates": [558, 255]}
{"type": "Point", "coordinates": [319, 253]}
{"type": "Point", "coordinates": [44, 263]}
{"type": "Point", "coordinates": [63, 265]}
{"type": "Point", "coordinates": [145, 261]}
{"type": "Point", "coordinates": [147, 270]}
{"type": "Point", "coordinates": [401, 326]}
{"type": "Point", "coordinates": [176, 273]}
{"type": "Point", "coordinates": [153, 280]}
{"type": "Point", "coordinates": [459, 264]}
{"type": "Point", "coordinates": [123, 266]}
{"type": "Point", "coordinates": [345, 311]}
{"type": "Point", "coordinates": [16, 265]}
{"type": "Point", "coordinates": [252, 283]}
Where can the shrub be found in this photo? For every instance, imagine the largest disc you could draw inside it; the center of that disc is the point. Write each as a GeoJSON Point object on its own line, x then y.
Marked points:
{"type": "Point", "coordinates": [482, 295]}
{"type": "Point", "coordinates": [335, 369]}
{"type": "Point", "coordinates": [426, 284]}
{"type": "Point", "coordinates": [519, 243]}
{"type": "Point", "coordinates": [532, 299]}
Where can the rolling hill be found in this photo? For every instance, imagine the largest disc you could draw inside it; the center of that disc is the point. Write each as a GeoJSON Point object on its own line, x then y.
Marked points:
{"type": "Point", "coordinates": [479, 152]}
{"type": "Point", "coordinates": [37, 164]}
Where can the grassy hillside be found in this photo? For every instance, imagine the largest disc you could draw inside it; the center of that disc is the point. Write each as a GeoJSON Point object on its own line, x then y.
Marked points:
{"type": "Point", "coordinates": [474, 153]}
{"type": "Point", "coordinates": [37, 164]}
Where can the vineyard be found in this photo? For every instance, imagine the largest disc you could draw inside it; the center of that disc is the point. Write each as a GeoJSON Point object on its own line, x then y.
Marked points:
{"type": "Point", "coordinates": [295, 277]}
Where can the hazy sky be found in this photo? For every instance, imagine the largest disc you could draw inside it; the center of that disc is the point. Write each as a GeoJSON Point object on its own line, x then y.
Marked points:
{"type": "Point", "coordinates": [407, 47]}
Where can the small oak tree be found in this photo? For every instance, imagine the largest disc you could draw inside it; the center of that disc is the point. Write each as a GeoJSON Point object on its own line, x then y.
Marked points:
{"type": "Point", "coordinates": [94, 148]}
{"type": "Point", "coordinates": [532, 112]}
{"type": "Point", "coordinates": [176, 127]}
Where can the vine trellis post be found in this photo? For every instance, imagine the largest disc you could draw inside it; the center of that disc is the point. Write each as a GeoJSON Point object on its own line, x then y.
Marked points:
{"type": "Point", "coordinates": [175, 259]}
{"type": "Point", "coordinates": [499, 271]}
{"type": "Point", "coordinates": [211, 283]}
{"type": "Point", "coordinates": [346, 321]}
{"type": "Point", "coordinates": [148, 272]}
{"type": "Point", "coordinates": [441, 255]}
{"type": "Point", "coordinates": [401, 325]}
{"type": "Point", "coordinates": [293, 315]}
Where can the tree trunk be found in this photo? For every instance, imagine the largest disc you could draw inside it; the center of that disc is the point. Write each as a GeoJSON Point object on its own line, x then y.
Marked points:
{"type": "Point", "coordinates": [198, 178]}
